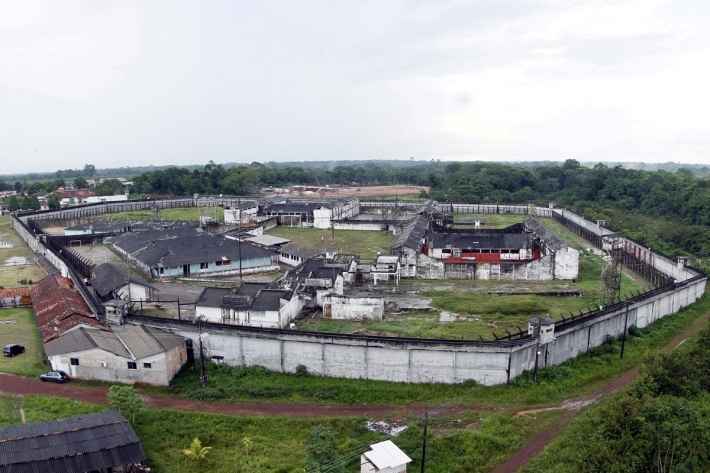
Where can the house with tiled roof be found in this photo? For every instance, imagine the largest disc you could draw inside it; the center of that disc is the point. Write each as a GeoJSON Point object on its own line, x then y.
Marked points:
{"type": "Point", "coordinates": [59, 307]}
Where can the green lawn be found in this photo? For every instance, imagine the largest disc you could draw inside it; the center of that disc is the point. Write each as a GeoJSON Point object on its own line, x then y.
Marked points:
{"type": "Point", "coordinates": [13, 276]}
{"type": "Point", "coordinates": [490, 220]}
{"type": "Point", "coordinates": [183, 214]}
{"type": "Point", "coordinates": [470, 442]}
{"type": "Point", "coordinates": [23, 331]}
{"type": "Point", "coordinates": [360, 242]}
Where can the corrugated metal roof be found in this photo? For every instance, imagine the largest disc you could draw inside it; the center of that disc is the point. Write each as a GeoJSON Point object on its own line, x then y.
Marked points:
{"type": "Point", "coordinates": [75, 445]}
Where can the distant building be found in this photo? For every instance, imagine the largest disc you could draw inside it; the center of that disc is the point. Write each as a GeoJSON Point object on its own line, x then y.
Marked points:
{"type": "Point", "coordinates": [306, 213]}
{"type": "Point", "coordinates": [126, 354]}
{"type": "Point", "coordinates": [14, 296]}
{"type": "Point", "coordinates": [244, 213]}
{"type": "Point", "coordinates": [384, 457]}
{"type": "Point", "coordinates": [253, 304]}
{"type": "Point", "coordinates": [100, 199]}
{"type": "Point", "coordinates": [385, 269]}
{"type": "Point", "coordinates": [103, 442]}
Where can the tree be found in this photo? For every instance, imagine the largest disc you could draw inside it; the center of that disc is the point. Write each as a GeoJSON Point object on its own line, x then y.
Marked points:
{"type": "Point", "coordinates": [109, 187]}
{"type": "Point", "coordinates": [126, 401]}
{"type": "Point", "coordinates": [89, 170]}
{"type": "Point", "coordinates": [321, 451]}
{"type": "Point", "coordinates": [196, 452]}
{"type": "Point", "coordinates": [53, 201]}
{"type": "Point", "coordinates": [80, 183]}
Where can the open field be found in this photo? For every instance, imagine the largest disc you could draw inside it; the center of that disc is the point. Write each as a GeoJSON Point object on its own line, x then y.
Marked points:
{"type": "Point", "coordinates": [470, 442]}
{"type": "Point", "coordinates": [13, 276]}
{"type": "Point", "coordinates": [185, 214]}
{"type": "Point", "coordinates": [489, 220]}
{"type": "Point", "coordinates": [364, 243]}
{"type": "Point", "coordinates": [574, 377]}
{"type": "Point", "coordinates": [24, 332]}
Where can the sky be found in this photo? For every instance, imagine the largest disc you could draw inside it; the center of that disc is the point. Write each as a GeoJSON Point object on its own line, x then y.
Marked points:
{"type": "Point", "coordinates": [140, 82]}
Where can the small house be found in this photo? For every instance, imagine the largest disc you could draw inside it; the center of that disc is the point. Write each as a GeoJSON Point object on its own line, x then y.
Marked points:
{"type": "Point", "coordinates": [253, 304]}
{"type": "Point", "coordinates": [384, 457]}
{"type": "Point", "coordinates": [110, 281]}
{"type": "Point", "coordinates": [127, 354]}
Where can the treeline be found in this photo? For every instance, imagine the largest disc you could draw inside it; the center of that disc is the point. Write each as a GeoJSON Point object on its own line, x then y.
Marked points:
{"type": "Point", "coordinates": [680, 194]}
{"type": "Point", "coordinates": [662, 424]}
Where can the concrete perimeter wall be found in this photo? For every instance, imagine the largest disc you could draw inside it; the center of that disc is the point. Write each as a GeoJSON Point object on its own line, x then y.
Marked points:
{"type": "Point", "coordinates": [442, 361]}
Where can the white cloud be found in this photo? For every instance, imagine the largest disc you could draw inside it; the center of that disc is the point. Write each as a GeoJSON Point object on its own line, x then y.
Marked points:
{"type": "Point", "coordinates": [125, 83]}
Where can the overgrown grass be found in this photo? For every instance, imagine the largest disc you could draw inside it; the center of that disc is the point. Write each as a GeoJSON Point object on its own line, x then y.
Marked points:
{"type": "Point", "coordinates": [24, 332]}
{"type": "Point", "coordinates": [555, 383]}
{"type": "Point", "coordinates": [479, 314]}
{"type": "Point", "coordinates": [191, 214]}
{"type": "Point", "coordinates": [471, 442]}
{"type": "Point", "coordinates": [489, 220]}
{"type": "Point", "coordinates": [367, 244]}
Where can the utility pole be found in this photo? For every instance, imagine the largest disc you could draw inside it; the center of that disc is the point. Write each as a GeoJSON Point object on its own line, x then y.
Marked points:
{"type": "Point", "coordinates": [203, 368]}
{"type": "Point", "coordinates": [424, 440]}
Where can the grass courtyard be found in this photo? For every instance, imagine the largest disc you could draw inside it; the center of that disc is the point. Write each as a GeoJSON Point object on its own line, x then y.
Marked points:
{"type": "Point", "coordinates": [16, 276]}
{"type": "Point", "coordinates": [191, 214]}
{"type": "Point", "coordinates": [364, 243]}
{"type": "Point", "coordinates": [469, 442]}
{"type": "Point", "coordinates": [18, 326]}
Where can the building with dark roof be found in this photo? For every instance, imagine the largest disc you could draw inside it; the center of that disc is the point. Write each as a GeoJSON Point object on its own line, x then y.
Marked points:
{"type": "Point", "coordinates": [124, 354]}
{"type": "Point", "coordinates": [254, 304]}
{"type": "Point", "coordinates": [58, 307]}
{"type": "Point", "coordinates": [100, 442]}
{"type": "Point", "coordinates": [190, 252]}
{"type": "Point", "coordinates": [309, 213]}
{"type": "Point", "coordinates": [111, 281]}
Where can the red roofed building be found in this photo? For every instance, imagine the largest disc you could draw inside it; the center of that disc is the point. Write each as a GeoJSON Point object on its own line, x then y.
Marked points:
{"type": "Point", "coordinates": [78, 194]}
{"type": "Point", "coordinates": [59, 307]}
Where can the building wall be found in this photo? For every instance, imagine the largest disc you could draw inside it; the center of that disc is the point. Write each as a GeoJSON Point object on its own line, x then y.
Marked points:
{"type": "Point", "coordinates": [353, 308]}
{"type": "Point", "coordinates": [365, 226]}
{"type": "Point", "coordinates": [566, 263]}
{"type": "Point", "coordinates": [281, 318]}
{"type": "Point", "coordinates": [322, 217]}
{"type": "Point", "coordinates": [134, 292]}
{"type": "Point", "coordinates": [101, 365]}
{"type": "Point", "coordinates": [212, 267]}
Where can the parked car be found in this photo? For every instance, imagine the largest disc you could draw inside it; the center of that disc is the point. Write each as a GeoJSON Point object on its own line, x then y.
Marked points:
{"type": "Point", "coordinates": [12, 350]}
{"type": "Point", "coordinates": [54, 377]}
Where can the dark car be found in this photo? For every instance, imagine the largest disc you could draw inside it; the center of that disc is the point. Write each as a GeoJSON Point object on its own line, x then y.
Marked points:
{"type": "Point", "coordinates": [54, 377]}
{"type": "Point", "coordinates": [12, 350]}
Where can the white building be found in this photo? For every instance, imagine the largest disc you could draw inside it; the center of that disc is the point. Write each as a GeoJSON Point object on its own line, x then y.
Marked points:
{"type": "Point", "coordinates": [253, 304]}
{"type": "Point", "coordinates": [245, 213]}
{"type": "Point", "coordinates": [386, 269]}
{"type": "Point", "coordinates": [100, 199]}
{"type": "Point", "coordinates": [127, 354]}
{"type": "Point", "coordinates": [384, 457]}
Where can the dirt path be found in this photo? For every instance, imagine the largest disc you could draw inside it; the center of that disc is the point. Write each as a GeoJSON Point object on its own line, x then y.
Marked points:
{"type": "Point", "coordinates": [20, 385]}
{"type": "Point", "coordinates": [572, 407]}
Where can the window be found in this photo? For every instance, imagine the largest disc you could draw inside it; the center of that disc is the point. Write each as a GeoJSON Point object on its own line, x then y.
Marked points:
{"type": "Point", "coordinates": [132, 365]}
{"type": "Point", "coordinates": [161, 270]}
{"type": "Point", "coordinates": [147, 365]}
{"type": "Point", "coordinates": [74, 361]}
{"type": "Point", "coordinates": [218, 263]}
{"type": "Point", "coordinates": [204, 265]}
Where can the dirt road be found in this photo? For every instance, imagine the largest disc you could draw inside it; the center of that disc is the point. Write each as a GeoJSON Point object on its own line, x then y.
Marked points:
{"type": "Point", "coordinates": [572, 407]}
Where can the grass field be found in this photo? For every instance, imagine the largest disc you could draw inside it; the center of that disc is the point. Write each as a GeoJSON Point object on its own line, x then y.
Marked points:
{"type": "Point", "coordinates": [11, 276]}
{"type": "Point", "coordinates": [471, 442]}
{"type": "Point", "coordinates": [574, 377]}
{"type": "Point", "coordinates": [185, 214]}
{"type": "Point", "coordinates": [364, 243]}
{"type": "Point", "coordinates": [23, 331]}
{"type": "Point", "coordinates": [490, 220]}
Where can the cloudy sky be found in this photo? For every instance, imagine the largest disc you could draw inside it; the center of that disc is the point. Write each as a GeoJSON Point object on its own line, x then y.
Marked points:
{"type": "Point", "coordinates": [135, 82]}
